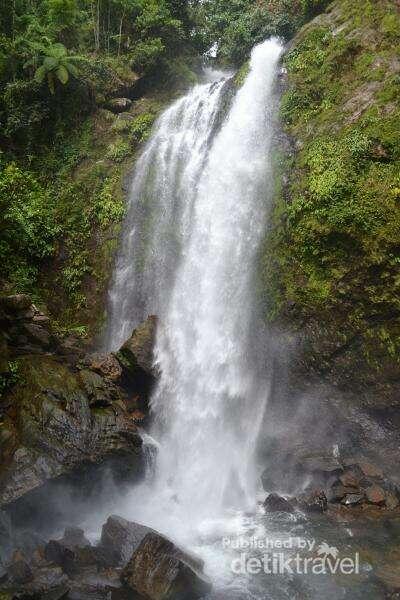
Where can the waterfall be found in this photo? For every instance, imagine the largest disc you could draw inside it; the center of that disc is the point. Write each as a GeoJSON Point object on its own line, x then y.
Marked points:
{"type": "Point", "coordinates": [198, 208]}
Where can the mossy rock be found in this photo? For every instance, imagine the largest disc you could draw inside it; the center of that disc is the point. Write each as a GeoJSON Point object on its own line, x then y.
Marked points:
{"type": "Point", "coordinates": [137, 352]}
{"type": "Point", "coordinates": [50, 428]}
{"type": "Point", "coordinates": [329, 267]}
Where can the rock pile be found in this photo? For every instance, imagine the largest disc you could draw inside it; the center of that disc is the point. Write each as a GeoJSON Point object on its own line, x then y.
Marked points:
{"type": "Point", "coordinates": [130, 560]}
{"type": "Point", "coordinates": [348, 482]}
{"type": "Point", "coordinates": [64, 410]}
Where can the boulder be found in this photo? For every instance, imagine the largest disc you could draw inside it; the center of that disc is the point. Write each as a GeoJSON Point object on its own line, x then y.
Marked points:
{"type": "Point", "coordinates": [38, 334]}
{"type": "Point", "coordinates": [137, 352]}
{"type": "Point", "coordinates": [276, 503]}
{"type": "Point", "coordinates": [375, 494]}
{"type": "Point", "coordinates": [364, 467]}
{"type": "Point", "coordinates": [19, 571]}
{"type": "Point", "coordinates": [313, 501]}
{"type": "Point", "coordinates": [75, 537]}
{"type": "Point", "coordinates": [50, 429]}
{"type": "Point", "coordinates": [391, 500]}
{"type": "Point", "coordinates": [104, 364]}
{"type": "Point", "coordinates": [351, 478]}
{"type": "Point", "coordinates": [370, 470]}
{"type": "Point", "coordinates": [119, 105]}
{"type": "Point", "coordinates": [16, 303]}
{"type": "Point", "coordinates": [100, 392]}
{"type": "Point", "coordinates": [75, 554]}
{"type": "Point", "coordinates": [119, 539]}
{"type": "Point", "coordinates": [49, 582]}
{"type": "Point", "coordinates": [161, 571]}
{"type": "Point", "coordinates": [353, 499]}
{"type": "Point", "coordinates": [326, 465]}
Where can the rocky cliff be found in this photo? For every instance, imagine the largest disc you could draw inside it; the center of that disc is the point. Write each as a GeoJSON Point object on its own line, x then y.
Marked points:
{"type": "Point", "coordinates": [67, 416]}
{"type": "Point", "coordinates": [331, 267]}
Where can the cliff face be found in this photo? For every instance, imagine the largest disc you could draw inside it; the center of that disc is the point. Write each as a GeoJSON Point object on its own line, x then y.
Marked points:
{"type": "Point", "coordinates": [331, 264]}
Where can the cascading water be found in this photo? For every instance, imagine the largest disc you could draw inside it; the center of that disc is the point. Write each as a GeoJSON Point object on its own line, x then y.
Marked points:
{"type": "Point", "coordinates": [198, 208]}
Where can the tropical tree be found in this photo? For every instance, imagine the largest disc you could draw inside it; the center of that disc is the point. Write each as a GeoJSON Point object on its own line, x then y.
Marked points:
{"type": "Point", "coordinates": [56, 65]}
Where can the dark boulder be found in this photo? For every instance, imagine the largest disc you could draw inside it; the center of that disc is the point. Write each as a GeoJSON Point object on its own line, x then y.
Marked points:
{"type": "Point", "coordinates": [391, 500]}
{"type": "Point", "coordinates": [69, 552]}
{"type": "Point", "coordinates": [313, 501]}
{"type": "Point", "coordinates": [276, 503]}
{"type": "Point", "coordinates": [119, 105]}
{"type": "Point", "coordinates": [75, 537]}
{"type": "Point", "coordinates": [353, 499]}
{"type": "Point", "coordinates": [375, 494]}
{"type": "Point", "coordinates": [16, 303]}
{"type": "Point", "coordinates": [352, 477]}
{"type": "Point", "coordinates": [119, 539]}
{"type": "Point", "coordinates": [104, 364]}
{"type": "Point", "coordinates": [137, 352]}
{"type": "Point", "coordinates": [19, 571]}
{"type": "Point", "coordinates": [161, 571]}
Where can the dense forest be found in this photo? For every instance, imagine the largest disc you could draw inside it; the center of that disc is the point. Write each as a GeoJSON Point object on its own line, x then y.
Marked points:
{"type": "Point", "coordinates": [61, 64]}
{"type": "Point", "coordinates": [66, 150]}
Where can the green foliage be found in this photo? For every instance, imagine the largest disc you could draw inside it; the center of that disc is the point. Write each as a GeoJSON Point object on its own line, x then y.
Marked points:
{"type": "Point", "coordinates": [56, 65]}
{"type": "Point", "coordinates": [140, 128]}
{"type": "Point", "coordinates": [334, 247]}
{"type": "Point", "coordinates": [10, 378]}
{"type": "Point", "coordinates": [146, 55]}
{"type": "Point", "coordinates": [109, 208]}
{"type": "Point", "coordinates": [239, 24]}
{"type": "Point", "coordinates": [118, 151]}
{"type": "Point", "coordinates": [26, 223]}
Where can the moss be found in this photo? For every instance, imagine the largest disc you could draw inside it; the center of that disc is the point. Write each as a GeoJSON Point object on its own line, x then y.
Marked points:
{"type": "Point", "coordinates": [242, 74]}
{"type": "Point", "coordinates": [87, 174]}
{"type": "Point", "coordinates": [333, 252]}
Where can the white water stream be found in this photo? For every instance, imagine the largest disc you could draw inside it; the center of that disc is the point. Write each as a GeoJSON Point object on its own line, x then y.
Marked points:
{"type": "Point", "coordinates": [198, 207]}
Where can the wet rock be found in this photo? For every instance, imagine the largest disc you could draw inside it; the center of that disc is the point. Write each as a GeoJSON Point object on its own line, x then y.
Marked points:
{"type": "Point", "coordinates": [137, 352]}
{"type": "Point", "coordinates": [389, 575]}
{"type": "Point", "coordinates": [375, 494]}
{"type": "Point", "coordinates": [90, 591]}
{"type": "Point", "coordinates": [100, 392]}
{"type": "Point", "coordinates": [118, 105]}
{"type": "Point", "coordinates": [161, 571]}
{"type": "Point", "coordinates": [363, 467]}
{"type": "Point", "coordinates": [352, 499]}
{"type": "Point", "coordinates": [54, 431]}
{"type": "Point", "coordinates": [370, 470]}
{"type": "Point", "coordinates": [391, 500]}
{"type": "Point", "coordinates": [313, 501]}
{"type": "Point", "coordinates": [16, 303]}
{"type": "Point", "coordinates": [336, 493]}
{"type": "Point", "coordinates": [104, 364]}
{"type": "Point", "coordinates": [19, 571]}
{"type": "Point", "coordinates": [75, 537]}
{"type": "Point", "coordinates": [75, 554]}
{"type": "Point", "coordinates": [276, 503]}
{"type": "Point", "coordinates": [50, 580]}
{"type": "Point", "coordinates": [41, 319]}
{"type": "Point", "coordinates": [351, 478]}
{"type": "Point", "coordinates": [322, 464]}
{"type": "Point", "coordinates": [64, 552]}
{"type": "Point", "coordinates": [119, 538]}
{"type": "Point", "coordinates": [60, 554]}
{"type": "Point", "coordinates": [38, 335]}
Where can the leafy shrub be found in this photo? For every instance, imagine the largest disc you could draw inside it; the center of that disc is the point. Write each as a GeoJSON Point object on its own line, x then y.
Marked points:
{"type": "Point", "coordinates": [140, 128]}
{"type": "Point", "coordinates": [118, 151]}
{"type": "Point", "coordinates": [27, 221]}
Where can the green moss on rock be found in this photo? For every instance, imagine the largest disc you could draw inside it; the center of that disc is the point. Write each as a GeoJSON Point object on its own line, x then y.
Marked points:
{"type": "Point", "coordinates": [331, 263]}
